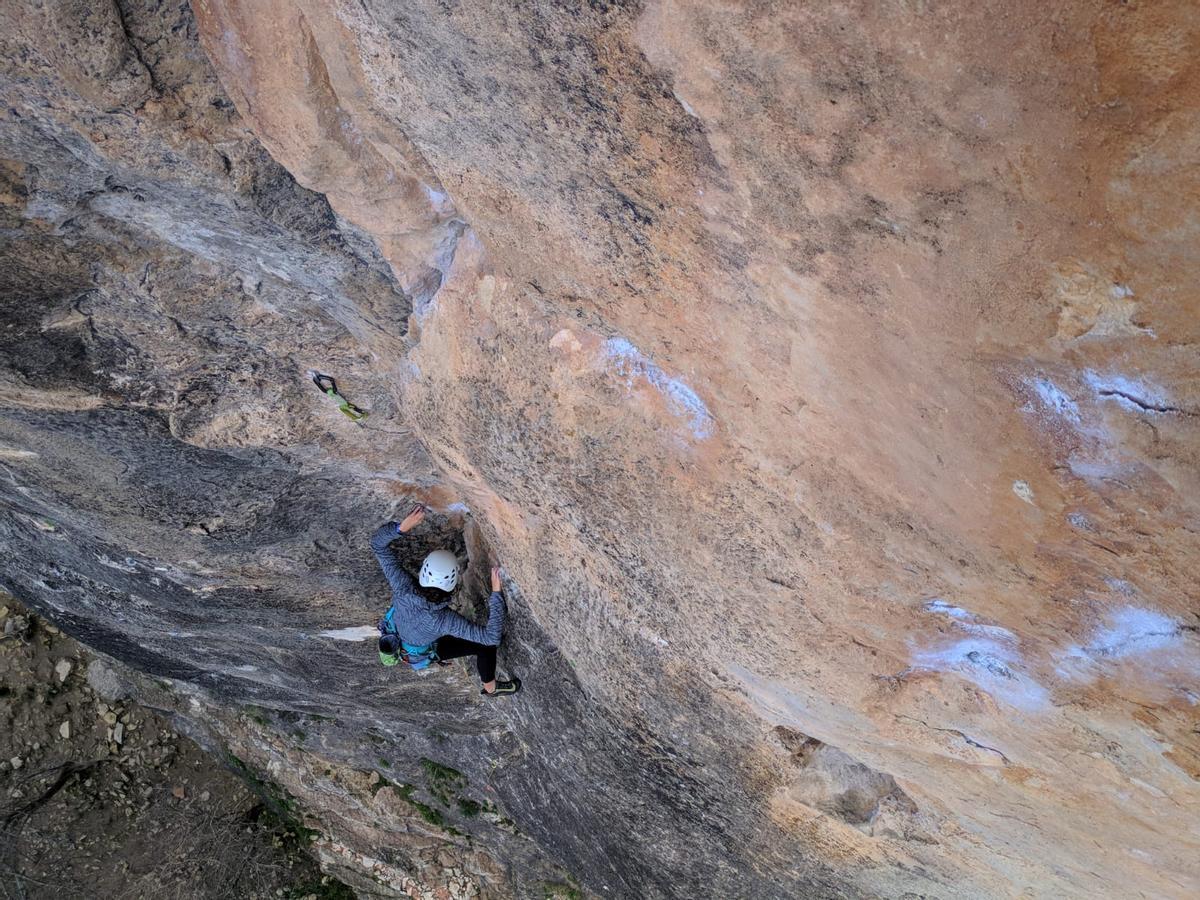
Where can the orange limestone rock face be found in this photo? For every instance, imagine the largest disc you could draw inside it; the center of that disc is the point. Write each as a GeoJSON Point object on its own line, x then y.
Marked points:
{"type": "Point", "coordinates": [825, 378]}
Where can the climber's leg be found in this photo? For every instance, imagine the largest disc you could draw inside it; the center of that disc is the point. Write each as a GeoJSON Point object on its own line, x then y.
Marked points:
{"type": "Point", "coordinates": [450, 647]}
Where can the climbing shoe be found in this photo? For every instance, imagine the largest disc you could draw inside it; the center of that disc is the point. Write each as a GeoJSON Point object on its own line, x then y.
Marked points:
{"type": "Point", "coordinates": [504, 687]}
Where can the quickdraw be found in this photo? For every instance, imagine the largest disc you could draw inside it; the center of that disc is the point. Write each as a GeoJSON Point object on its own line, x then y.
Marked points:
{"type": "Point", "coordinates": [328, 386]}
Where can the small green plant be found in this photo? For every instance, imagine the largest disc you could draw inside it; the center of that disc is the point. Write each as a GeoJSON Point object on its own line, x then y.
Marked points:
{"type": "Point", "coordinates": [559, 891]}
{"type": "Point", "coordinates": [447, 784]}
{"type": "Point", "coordinates": [257, 714]}
{"type": "Point", "coordinates": [324, 888]}
{"type": "Point", "coordinates": [440, 772]}
{"type": "Point", "coordinates": [469, 807]}
{"type": "Point", "coordinates": [280, 810]}
{"type": "Point", "coordinates": [444, 781]}
{"type": "Point", "coordinates": [426, 812]}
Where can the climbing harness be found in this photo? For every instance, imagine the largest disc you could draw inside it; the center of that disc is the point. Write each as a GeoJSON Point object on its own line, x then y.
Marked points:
{"type": "Point", "coordinates": [417, 657]}
{"type": "Point", "coordinates": [328, 386]}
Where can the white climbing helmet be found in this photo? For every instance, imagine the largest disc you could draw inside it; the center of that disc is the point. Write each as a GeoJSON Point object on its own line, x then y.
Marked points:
{"type": "Point", "coordinates": [440, 570]}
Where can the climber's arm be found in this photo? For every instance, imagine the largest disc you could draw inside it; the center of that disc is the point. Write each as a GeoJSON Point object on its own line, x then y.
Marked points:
{"type": "Point", "coordinates": [381, 546]}
{"type": "Point", "coordinates": [452, 623]}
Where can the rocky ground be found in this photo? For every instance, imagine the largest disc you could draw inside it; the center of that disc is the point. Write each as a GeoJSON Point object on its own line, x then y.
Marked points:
{"type": "Point", "coordinates": [101, 797]}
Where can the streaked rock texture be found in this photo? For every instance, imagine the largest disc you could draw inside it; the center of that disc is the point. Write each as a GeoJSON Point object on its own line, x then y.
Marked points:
{"type": "Point", "coordinates": [824, 376]}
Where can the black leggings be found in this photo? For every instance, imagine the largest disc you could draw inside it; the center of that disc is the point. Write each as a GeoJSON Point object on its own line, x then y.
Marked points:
{"type": "Point", "coordinates": [450, 647]}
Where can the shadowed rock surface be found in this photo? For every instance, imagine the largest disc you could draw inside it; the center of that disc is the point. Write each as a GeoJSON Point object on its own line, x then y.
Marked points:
{"type": "Point", "coordinates": [824, 377]}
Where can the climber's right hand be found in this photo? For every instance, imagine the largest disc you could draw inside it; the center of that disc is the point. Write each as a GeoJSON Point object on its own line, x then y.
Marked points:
{"type": "Point", "coordinates": [413, 519]}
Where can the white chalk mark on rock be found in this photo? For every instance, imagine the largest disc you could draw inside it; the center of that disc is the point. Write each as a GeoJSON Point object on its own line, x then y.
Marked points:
{"type": "Point", "coordinates": [1053, 399]}
{"type": "Point", "coordinates": [1130, 393]}
{"type": "Point", "coordinates": [968, 621]}
{"type": "Point", "coordinates": [357, 633]}
{"type": "Point", "coordinates": [1133, 631]}
{"type": "Point", "coordinates": [1024, 491]}
{"type": "Point", "coordinates": [1147, 639]}
{"type": "Point", "coordinates": [630, 364]}
{"type": "Point", "coordinates": [991, 666]}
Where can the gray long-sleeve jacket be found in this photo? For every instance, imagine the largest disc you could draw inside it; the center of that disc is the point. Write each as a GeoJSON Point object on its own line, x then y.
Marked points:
{"type": "Point", "coordinates": [420, 622]}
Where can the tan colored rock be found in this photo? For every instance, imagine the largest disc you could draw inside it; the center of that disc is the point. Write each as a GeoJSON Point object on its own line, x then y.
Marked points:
{"type": "Point", "coordinates": [785, 254]}
{"type": "Point", "coordinates": [369, 170]}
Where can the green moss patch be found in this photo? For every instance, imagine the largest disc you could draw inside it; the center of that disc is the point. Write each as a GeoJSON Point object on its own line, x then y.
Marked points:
{"type": "Point", "coordinates": [280, 809]}
{"type": "Point", "coordinates": [560, 891]}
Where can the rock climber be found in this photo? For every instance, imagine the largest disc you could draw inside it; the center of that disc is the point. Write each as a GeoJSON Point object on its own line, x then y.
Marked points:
{"type": "Point", "coordinates": [419, 628]}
